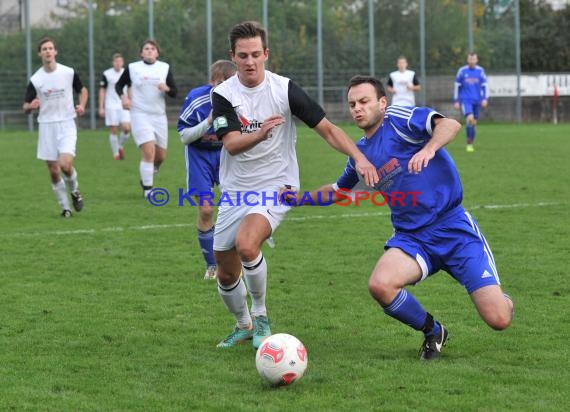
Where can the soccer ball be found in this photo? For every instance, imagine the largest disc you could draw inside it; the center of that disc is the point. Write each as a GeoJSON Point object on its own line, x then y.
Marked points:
{"type": "Point", "coordinates": [281, 359]}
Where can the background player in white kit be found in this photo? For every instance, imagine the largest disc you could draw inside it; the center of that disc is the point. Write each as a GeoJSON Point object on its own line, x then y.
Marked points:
{"type": "Point", "coordinates": [253, 115]}
{"type": "Point", "coordinates": [149, 81]}
{"type": "Point", "coordinates": [403, 83]}
{"type": "Point", "coordinates": [111, 108]}
{"type": "Point", "coordinates": [51, 90]}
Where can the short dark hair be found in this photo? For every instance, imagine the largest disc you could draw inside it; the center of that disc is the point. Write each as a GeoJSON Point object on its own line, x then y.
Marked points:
{"type": "Point", "coordinates": [150, 41]}
{"type": "Point", "coordinates": [44, 40]}
{"type": "Point", "coordinates": [361, 79]}
{"type": "Point", "coordinates": [247, 30]}
{"type": "Point", "coordinates": [117, 55]}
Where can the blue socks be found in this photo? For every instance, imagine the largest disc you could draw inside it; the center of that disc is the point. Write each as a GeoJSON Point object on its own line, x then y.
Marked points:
{"type": "Point", "coordinates": [470, 130]}
{"type": "Point", "coordinates": [408, 310]}
{"type": "Point", "coordinates": [206, 240]}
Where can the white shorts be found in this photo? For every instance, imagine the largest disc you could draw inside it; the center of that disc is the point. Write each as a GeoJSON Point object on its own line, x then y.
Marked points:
{"type": "Point", "coordinates": [149, 128]}
{"type": "Point", "coordinates": [116, 117]}
{"type": "Point", "coordinates": [231, 215]}
{"type": "Point", "coordinates": [56, 138]}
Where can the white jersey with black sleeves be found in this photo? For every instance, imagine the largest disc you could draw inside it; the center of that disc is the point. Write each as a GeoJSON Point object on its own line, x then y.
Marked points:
{"type": "Point", "coordinates": [400, 82]}
{"type": "Point", "coordinates": [145, 78]}
{"type": "Point", "coordinates": [108, 81]}
{"type": "Point", "coordinates": [272, 162]}
{"type": "Point", "coordinates": [55, 91]}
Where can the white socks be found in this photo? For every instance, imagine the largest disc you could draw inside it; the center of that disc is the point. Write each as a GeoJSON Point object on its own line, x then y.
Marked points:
{"type": "Point", "coordinates": [234, 297]}
{"type": "Point", "coordinates": [114, 140]}
{"type": "Point", "coordinates": [61, 194]}
{"type": "Point", "coordinates": [255, 275]}
{"type": "Point", "coordinates": [122, 139]}
{"type": "Point", "coordinates": [71, 181]}
{"type": "Point", "coordinates": [147, 173]}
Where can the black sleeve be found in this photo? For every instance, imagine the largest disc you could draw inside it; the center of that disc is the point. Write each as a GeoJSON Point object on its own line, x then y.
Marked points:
{"type": "Point", "coordinates": [30, 93]}
{"type": "Point", "coordinates": [302, 106]}
{"type": "Point", "coordinates": [124, 80]}
{"type": "Point", "coordinates": [224, 115]}
{"type": "Point", "coordinates": [103, 82]}
{"type": "Point", "coordinates": [415, 81]}
{"type": "Point", "coordinates": [390, 83]}
{"type": "Point", "coordinates": [171, 84]}
{"type": "Point", "coordinates": [77, 85]}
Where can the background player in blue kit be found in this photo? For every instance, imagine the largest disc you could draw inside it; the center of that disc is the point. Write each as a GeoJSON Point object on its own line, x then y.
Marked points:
{"type": "Point", "coordinates": [432, 230]}
{"type": "Point", "coordinates": [202, 153]}
{"type": "Point", "coordinates": [471, 94]}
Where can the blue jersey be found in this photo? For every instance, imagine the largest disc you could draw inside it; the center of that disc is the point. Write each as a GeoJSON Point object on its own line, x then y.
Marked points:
{"type": "Point", "coordinates": [196, 108]}
{"type": "Point", "coordinates": [415, 200]}
{"type": "Point", "coordinates": [470, 85]}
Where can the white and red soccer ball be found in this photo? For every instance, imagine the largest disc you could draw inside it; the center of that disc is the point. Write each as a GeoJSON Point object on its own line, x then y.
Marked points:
{"type": "Point", "coordinates": [281, 359]}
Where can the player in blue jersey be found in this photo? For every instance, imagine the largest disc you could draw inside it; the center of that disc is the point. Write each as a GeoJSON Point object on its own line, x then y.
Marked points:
{"type": "Point", "coordinates": [202, 153]}
{"type": "Point", "coordinates": [470, 93]}
{"type": "Point", "coordinates": [432, 229]}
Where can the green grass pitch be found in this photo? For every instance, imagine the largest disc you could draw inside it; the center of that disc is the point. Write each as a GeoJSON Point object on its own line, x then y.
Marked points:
{"type": "Point", "coordinates": [108, 311]}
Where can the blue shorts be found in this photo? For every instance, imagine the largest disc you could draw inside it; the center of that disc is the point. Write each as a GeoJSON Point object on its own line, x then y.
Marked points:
{"type": "Point", "coordinates": [202, 169]}
{"type": "Point", "coordinates": [453, 244]}
{"type": "Point", "coordinates": [471, 108]}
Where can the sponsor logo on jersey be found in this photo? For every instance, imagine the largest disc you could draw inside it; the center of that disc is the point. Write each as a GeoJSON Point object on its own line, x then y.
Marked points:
{"type": "Point", "coordinates": [251, 126]}
{"type": "Point", "coordinates": [387, 173]}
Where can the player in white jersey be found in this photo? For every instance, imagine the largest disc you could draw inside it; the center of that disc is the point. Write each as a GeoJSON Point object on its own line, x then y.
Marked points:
{"type": "Point", "coordinates": [51, 91]}
{"type": "Point", "coordinates": [253, 115]}
{"type": "Point", "coordinates": [149, 81]}
{"type": "Point", "coordinates": [403, 83]}
{"type": "Point", "coordinates": [111, 108]}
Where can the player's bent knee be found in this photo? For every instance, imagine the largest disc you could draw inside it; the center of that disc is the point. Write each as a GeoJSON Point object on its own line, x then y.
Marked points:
{"type": "Point", "coordinates": [500, 322]}
{"type": "Point", "coordinates": [381, 289]}
{"type": "Point", "coordinates": [67, 169]}
{"type": "Point", "coordinates": [499, 318]}
{"type": "Point", "coordinates": [247, 250]}
{"type": "Point", "coordinates": [226, 279]}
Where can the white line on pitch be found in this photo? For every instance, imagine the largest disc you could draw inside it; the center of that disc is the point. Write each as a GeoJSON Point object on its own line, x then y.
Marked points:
{"type": "Point", "coordinates": [290, 218]}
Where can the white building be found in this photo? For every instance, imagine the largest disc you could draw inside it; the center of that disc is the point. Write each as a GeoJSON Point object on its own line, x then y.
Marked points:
{"type": "Point", "coordinates": [42, 12]}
